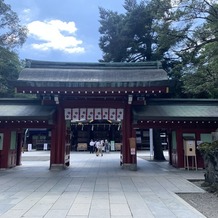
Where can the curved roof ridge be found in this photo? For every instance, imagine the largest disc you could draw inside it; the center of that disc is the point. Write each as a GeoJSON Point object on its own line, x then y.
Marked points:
{"type": "Point", "coordinates": [93, 65]}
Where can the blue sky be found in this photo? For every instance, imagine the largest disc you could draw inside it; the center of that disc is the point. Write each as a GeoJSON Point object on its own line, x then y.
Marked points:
{"type": "Point", "coordinates": [64, 30]}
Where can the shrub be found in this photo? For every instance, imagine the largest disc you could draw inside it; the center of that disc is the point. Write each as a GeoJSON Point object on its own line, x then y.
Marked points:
{"type": "Point", "coordinates": [209, 151]}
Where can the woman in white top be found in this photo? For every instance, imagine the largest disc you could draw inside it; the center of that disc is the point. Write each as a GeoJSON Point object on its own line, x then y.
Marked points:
{"type": "Point", "coordinates": [99, 145]}
{"type": "Point", "coordinates": [91, 146]}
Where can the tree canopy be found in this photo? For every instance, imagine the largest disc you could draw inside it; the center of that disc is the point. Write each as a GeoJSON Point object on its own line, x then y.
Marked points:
{"type": "Point", "coordinates": [10, 66]}
{"type": "Point", "coordinates": [12, 35]}
{"type": "Point", "coordinates": [201, 52]}
{"type": "Point", "coordinates": [182, 35]}
{"type": "Point", "coordinates": [139, 34]}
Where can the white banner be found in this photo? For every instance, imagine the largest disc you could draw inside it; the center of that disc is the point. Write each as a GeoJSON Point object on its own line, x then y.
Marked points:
{"type": "Point", "coordinates": [112, 114]}
{"type": "Point", "coordinates": [90, 114]}
{"type": "Point", "coordinates": [105, 114]}
{"type": "Point", "coordinates": [98, 114]}
{"type": "Point", "coordinates": [67, 113]}
{"type": "Point", "coordinates": [82, 114]}
{"type": "Point", "coordinates": [119, 114]}
{"type": "Point", "coordinates": [75, 113]}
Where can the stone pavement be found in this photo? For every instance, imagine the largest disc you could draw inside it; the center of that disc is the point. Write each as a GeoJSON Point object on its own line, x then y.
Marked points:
{"type": "Point", "coordinates": [95, 187]}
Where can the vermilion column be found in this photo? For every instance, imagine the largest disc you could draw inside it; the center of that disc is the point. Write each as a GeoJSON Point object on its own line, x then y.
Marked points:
{"type": "Point", "coordinates": [19, 147]}
{"type": "Point", "coordinates": [180, 151]}
{"type": "Point", "coordinates": [129, 160]}
{"type": "Point", "coordinates": [58, 141]}
{"type": "Point", "coordinates": [5, 150]}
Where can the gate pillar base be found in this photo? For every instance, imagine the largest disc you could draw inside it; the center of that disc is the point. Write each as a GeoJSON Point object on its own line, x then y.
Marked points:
{"type": "Point", "coordinates": [58, 167]}
{"type": "Point", "coordinates": [132, 167]}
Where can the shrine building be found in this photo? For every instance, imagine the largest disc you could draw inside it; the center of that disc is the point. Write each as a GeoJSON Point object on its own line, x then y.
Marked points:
{"type": "Point", "coordinates": [120, 102]}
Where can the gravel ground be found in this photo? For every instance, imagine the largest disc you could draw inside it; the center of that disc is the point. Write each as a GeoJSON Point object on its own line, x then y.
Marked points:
{"type": "Point", "coordinates": [206, 203]}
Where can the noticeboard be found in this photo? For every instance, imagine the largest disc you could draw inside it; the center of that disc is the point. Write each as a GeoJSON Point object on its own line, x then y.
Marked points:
{"type": "Point", "coordinates": [189, 148]}
{"type": "Point", "coordinates": [132, 143]}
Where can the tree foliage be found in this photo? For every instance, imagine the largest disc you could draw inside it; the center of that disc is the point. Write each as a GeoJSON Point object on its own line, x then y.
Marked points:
{"type": "Point", "coordinates": [145, 32]}
{"type": "Point", "coordinates": [141, 34]}
{"type": "Point", "coordinates": [184, 36]}
{"type": "Point", "coordinates": [209, 152]}
{"type": "Point", "coordinates": [9, 68]}
{"type": "Point", "coordinates": [200, 52]}
{"type": "Point", "coordinates": [12, 35]}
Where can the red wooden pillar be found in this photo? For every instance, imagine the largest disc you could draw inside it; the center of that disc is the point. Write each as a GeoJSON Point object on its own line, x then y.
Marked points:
{"type": "Point", "coordinates": [129, 161]}
{"type": "Point", "coordinates": [57, 159]}
{"type": "Point", "coordinates": [180, 150]}
{"type": "Point", "coordinates": [200, 160]}
{"type": "Point", "coordinates": [170, 147]}
{"type": "Point", "coordinates": [19, 147]}
{"type": "Point", "coordinates": [53, 147]}
{"type": "Point", "coordinates": [4, 153]}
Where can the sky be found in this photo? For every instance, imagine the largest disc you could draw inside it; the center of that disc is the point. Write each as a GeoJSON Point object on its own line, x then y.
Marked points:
{"type": "Point", "coordinates": [62, 30]}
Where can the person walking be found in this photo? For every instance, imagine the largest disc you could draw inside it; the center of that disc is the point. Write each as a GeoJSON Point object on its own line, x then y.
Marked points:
{"type": "Point", "coordinates": [101, 147]}
{"type": "Point", "coordinates": [106, 145]}
{"type": "Point", "coordinates": [91, 146]}
{"type": "Point", "coordinates": [97, 145]}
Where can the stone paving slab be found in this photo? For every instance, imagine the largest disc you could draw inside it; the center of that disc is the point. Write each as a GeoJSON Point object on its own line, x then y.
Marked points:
{"type": "Point", "coordinates": [95, 187]}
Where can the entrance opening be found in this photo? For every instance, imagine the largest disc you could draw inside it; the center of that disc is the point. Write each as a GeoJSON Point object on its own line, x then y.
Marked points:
{"type": "Point", "coordinates": [83, 131]}
{"type": "Point", "coordinates": [36, 146]}
{"type": "Point", "coordinates": [37, 139]}
{"type": "Point", "coordinates": [145, 143]}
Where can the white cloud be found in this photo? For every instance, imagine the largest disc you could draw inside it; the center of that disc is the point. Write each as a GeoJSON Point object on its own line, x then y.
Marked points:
{"type": "Point", "coordinates": [56, 35]}
{"type": "Point", "coordinates": [25, 15]}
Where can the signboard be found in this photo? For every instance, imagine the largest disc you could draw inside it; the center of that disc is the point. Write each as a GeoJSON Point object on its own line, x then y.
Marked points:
{"type": "Point", "coordinates": [189, 147]}
{"type": "Point", "coordinates": [132, 151]}
{"type": "Point", "coordinates": [132, 142]}
{"type": "Point", "coordinates": [112, 145]}
{"type": "Point", "coordinates": [29, 147]}
{"type": "Point", "coordinates": [45, 147]}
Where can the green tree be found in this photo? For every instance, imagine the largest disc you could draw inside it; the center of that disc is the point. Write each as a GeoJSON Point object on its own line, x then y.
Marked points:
{"type": "Point", "coordinates": [113, 41]}
{"type": "Point", "coordinates": [145, 32]}
{"type": "Point", "coordinates": [185, 38]}
{"type": "Point", "coordinates": [141, 34]}
{"type": "Point", "coordinates": [201, 52]}
{"type": "Point", "coordinates": [201, 79]}
{"type": "Point", "coordinates": [12, 35]}
{"type": "Point", "coordinates": [10, 66]}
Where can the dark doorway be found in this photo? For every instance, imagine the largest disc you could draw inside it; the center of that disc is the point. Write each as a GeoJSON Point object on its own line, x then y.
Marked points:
{"type": "Point", "coordinates": [83, 132]}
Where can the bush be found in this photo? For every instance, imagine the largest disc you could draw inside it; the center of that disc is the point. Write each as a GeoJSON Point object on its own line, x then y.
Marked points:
{"type": "Point", "coordinates": [209, 151]}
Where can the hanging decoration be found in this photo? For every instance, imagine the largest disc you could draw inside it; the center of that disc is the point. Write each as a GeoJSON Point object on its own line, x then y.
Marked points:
{"type": "Point", "coordinates": [68, 114]}
{"type": "Point", "coordinates": [112, 114]}
{"type": "Point", "coordinates": [105, 113]}
{"type": "Point", "coordinates": [90, 114]}
{"type": "Point", "coordinates": [75, 114]}
{"type": "Point", "coordinates": [80, 114]}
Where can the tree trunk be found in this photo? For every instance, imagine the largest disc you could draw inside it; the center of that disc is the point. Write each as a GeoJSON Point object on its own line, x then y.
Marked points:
{"type": "Point", "coordinates": [158, 149]}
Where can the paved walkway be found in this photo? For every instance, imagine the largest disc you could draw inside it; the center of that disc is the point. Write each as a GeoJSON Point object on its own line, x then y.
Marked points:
{"type": "Point", "coordinates": [95, 187]}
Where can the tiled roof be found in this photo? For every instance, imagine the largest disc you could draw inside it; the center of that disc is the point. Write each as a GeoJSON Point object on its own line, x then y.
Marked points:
{"type": "Point", "coordinates": [62, 74]}
{"type": "Point", "coordinates": [92, 75]}
{"type": "Point", "coordinates": [177, 110]}
{"type": "Point", "coordinates": [24, 109]}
